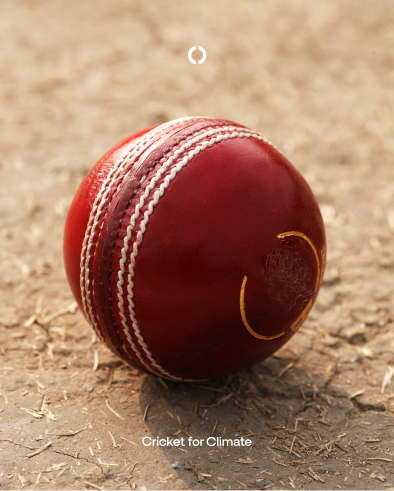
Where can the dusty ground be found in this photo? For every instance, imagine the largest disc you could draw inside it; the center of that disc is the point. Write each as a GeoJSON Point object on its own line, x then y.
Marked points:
{"type": "Point", "coordinates": [315, 78]}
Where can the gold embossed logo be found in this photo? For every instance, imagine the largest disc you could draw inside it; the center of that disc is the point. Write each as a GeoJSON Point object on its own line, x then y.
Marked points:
{"type": "Point", "coordinates": [304, 314]}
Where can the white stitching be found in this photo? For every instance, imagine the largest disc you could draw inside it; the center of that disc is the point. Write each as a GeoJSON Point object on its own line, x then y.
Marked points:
{"type": "Point", "coordinates": [156, 197]}
{"type": "Point", "coordinates": [95, 214]}
{"type": "Point", "coordinates": [125, 158]}
{"type": "Point", "coordinates": [101, 196]}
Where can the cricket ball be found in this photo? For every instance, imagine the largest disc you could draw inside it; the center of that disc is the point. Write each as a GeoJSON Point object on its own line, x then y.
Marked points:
{"type": "Point", "coordinates": [194, 249]}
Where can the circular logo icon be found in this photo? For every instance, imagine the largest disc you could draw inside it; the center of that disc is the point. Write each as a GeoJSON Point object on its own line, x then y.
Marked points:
{"type": "Point", "coordinates": [192, 60]}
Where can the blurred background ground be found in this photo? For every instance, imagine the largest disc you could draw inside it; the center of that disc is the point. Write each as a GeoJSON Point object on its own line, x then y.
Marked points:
{"type": "Point", "coordinates": [316, 79]}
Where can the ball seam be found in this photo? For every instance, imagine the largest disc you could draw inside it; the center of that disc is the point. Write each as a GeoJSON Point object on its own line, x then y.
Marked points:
{"type": "Point", "coordinates": [134, 150]}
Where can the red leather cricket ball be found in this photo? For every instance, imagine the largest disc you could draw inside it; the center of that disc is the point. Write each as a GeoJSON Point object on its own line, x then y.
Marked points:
{"type": "Point", "coordinates": [195, 249]}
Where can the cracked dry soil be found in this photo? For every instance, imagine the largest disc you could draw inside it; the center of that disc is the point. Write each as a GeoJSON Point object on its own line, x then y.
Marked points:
{"type": "Point", "coordinates": [315, 78]}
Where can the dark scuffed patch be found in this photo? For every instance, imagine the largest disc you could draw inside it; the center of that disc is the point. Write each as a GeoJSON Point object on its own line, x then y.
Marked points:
{"type": "Point", "coordinates": [289, 277]}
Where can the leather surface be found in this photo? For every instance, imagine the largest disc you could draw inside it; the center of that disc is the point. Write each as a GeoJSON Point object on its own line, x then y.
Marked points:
{"type": "Point", "coordinates": [217, 222]}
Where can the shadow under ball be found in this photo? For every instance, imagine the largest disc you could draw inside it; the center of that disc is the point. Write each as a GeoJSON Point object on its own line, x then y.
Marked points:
{"type": "Point", "coordinates": [194, 249]}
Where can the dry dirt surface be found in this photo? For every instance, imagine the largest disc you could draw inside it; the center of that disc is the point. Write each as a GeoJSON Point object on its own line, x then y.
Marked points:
{"type": "Point", "coordinates": [315, 78]}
